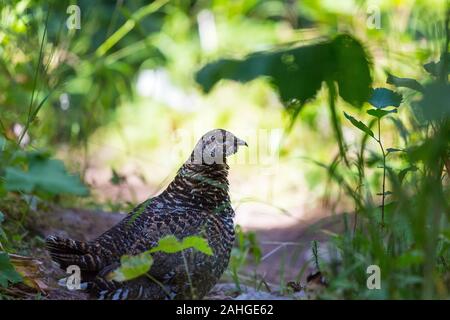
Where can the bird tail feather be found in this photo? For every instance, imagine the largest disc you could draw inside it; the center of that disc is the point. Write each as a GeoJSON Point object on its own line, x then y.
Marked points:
{"type": "Point", "coordinates": [138, 289]}
{"type": "Point", "coordinates": [68, 252]}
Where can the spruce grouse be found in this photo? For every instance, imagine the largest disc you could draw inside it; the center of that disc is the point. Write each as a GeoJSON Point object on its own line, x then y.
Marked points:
{"type": "Point", "coordinates": [196, 202]}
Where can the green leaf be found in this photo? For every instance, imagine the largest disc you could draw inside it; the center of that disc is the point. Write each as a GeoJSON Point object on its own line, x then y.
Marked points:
{"type": "Point", "coordinates": [254, 247]}
{"type": "Point", "coordinates": [170, 244]}
{"type": "Point", "coordinates": [281, 67]}
{"type": "Point", "coordinates": [7, 271]}
{"type": "Point", "coordinates": [379, 113]}
{"type": "Point", "coordinates": [391, 150]}
{"type": "Point", "coordinates": [382, 98]}
{"type": "Point", "coordinates": [404, 82]}
{"type": "Point", "coordinates": [352, 70]}
{"type": "Point", "coordinates": [298, 73]}
{"type": "Point", "coordinates": [2, 217]}
{"type": "Point", "coordinates": [132, 267]}
{"type": "Point", "coordinates": [197, 243]}
{"type": "Point", "coordinates": [361, 126]}
{"type": "Point", "coordinates": [435, 103]}
{"type": "Point", "coordinates": [45, 175]}
{"type": "Point", "coordinates": [17, 180]}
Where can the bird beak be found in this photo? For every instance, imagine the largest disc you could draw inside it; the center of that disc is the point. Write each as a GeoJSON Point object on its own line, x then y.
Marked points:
{"type": "Point", "coordinates": [241, 142]}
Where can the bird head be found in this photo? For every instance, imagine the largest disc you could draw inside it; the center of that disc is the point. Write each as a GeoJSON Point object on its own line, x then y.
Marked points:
{"type": "Point", "coordinates": [215, 146]}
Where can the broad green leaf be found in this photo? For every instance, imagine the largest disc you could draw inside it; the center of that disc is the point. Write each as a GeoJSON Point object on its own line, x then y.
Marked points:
{"type": "Point", "coordinates": [352, 70]}
{"type": "Point", "coordinates": [2, 217]}
{"type": "Point", "coordinates": [170, 244]}
{"type": "Point", "coordinates": [7, 271]}
{"type": "Point", "coordinates": [197, 243]}
{"type": "Point", "coordinates": [358, 124]}
{"type": "Point", "coordinates": [308, 65]}
{"type": "Point", "coordinates": [382, 98]}
{"type": "Point", "coordinates": [132, 267]}
{"type": "Point", "coordinates": [18, 180]}
{"type": "Point", "coordinates": [44, 175]}
{"type": "Point", "coordinates": [379, 113]}
{"type": "Point", "coordinates": [298, 73]}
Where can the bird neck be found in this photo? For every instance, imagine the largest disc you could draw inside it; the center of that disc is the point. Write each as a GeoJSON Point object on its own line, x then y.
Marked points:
{"type": "Point", "coordinates": [200, 186]}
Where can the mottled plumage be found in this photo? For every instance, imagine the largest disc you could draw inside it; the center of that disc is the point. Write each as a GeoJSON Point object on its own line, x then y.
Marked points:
{"type": "Point", "coordinates": [196, 202]}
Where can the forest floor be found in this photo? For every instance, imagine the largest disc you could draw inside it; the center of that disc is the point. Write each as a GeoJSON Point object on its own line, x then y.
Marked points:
{"type": "Point", "coordinates": [284, 252]}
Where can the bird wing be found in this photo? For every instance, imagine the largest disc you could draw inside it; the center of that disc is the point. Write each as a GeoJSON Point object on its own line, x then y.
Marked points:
{"type": "Point", "coordinates": [178, 222]}
{"type": "Point", "coordinates": [166, 266]}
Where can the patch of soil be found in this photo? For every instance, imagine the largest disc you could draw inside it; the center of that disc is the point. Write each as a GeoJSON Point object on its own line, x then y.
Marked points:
{"type": "Point", "coordinates": [286, 250]}
{"type": "Point", "coordinates": [83, 225]}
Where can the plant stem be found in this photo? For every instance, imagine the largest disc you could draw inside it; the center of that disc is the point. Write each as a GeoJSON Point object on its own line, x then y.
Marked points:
{"type": "Point", "coordinates": [188, 276]}
{"type": "Point", "coordinates": [167, 292]}
{"type": "Point", "coordinates": [33, 93]}
{"type": "Point", "coordinates": [336, 122]}
{"type": "Point", "coordinates": [383, 195]}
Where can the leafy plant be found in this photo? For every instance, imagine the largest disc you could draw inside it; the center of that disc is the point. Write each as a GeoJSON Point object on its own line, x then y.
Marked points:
{"type": "Point", "coordinates": [138, 265]}
{"type": "Point", "coordinates": [71, 73]}
{"type": "Point", "coordinates": [133, 266]}
{"type": "Point", "coordinates": [411, 246]}
{"type": "Point", "coordinates": [170, 244]}
{"type": "Point", "coordinates": [7, 272]}
{"type": "Point", "coordinates": [247, 250]}
{"type": "Point", "coordinates": [44, 175]}
{"type": "Point", "coordinates": [411, 249]}
{"type": "Point", "coordinates": [381, 98]}
{"type": "Point", "coordinates": [338, 60]}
